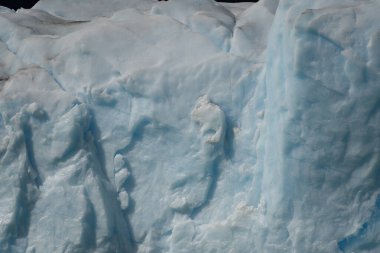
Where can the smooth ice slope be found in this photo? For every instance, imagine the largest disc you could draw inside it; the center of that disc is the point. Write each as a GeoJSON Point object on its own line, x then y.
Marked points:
{"type": "Point", "coordinates": [190, 126]}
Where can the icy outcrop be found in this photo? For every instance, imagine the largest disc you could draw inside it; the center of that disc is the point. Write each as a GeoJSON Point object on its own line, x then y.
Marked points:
{"type": "Point", "coordinates": [190, 126]}
{"type": "Point", "coordinates": [325, 122]}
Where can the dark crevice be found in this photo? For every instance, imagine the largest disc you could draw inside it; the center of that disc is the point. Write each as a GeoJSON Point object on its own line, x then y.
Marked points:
{"type": "Point", "coordinates": [29, 181]}
{"type": "Point", "coordinates": [95, 133]}
{"type": "Point", "coordinates": [228, 147]}
{"type": "Point", "coordinates": [88, 239]}
{"type": "Point", "coordinates": [25, 207]}
{"type": "Point", "coordinates": [31, 177]}
{"type": "Point", "coordinates": [34, 173]}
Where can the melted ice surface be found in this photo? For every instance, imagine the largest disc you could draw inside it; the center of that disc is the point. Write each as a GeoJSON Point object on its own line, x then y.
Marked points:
{"type": "Point", "coordinates": [190, 126]}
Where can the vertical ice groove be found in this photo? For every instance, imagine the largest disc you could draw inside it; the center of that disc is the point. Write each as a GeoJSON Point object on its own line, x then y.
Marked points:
{"type": "Point", "coordinates": [18, 162]}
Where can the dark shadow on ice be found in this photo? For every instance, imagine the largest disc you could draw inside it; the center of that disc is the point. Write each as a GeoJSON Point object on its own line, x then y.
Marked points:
{"type": "Point", "coordinates": [354, 242]}
{"type": "Point", "coordinates": [89, 236]}
{"type": "Point", "coordinates": [228, 148]}
{"type": "Point", "coordinates": [100, 154]}
{"type": "Point", "coordinates": [17, 4]}
{"type": "Point", "coordinates": [30, 155]}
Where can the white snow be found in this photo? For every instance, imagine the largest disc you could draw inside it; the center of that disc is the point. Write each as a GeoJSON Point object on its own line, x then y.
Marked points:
{"type": "Point", "coordinates": [190, 126]}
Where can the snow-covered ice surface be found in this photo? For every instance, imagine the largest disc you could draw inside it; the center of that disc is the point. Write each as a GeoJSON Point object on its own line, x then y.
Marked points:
{"type": "Point", "coordinates": [190, 126]}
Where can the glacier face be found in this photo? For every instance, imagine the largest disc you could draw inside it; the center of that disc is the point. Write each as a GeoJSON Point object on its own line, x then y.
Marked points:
{"type": "Point", "coordinates": [190, 126]}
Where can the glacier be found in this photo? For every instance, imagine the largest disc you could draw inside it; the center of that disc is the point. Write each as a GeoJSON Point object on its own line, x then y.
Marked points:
{"type": "Point", "coordinates": [181, 126]}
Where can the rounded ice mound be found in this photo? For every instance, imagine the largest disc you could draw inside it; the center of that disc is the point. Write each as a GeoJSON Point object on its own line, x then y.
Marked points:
{"type": "Point", "coordinates": [211, 119]}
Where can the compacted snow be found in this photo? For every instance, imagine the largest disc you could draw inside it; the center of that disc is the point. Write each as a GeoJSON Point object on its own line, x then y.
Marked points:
{"type": "Point", "coordinates": [188, 126]}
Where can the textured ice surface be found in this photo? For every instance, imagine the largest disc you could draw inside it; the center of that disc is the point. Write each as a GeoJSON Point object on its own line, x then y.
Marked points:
{"type": "Point", "coordinates": [190, 126]}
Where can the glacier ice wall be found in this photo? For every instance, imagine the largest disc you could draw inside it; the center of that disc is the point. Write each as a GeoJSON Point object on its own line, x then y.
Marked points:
{"type": "Point", "coordinates": [190, 126]}
{"type": "Point", "coordinates": [323, 135]}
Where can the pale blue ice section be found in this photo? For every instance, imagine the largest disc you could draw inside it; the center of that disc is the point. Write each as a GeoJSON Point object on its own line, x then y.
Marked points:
{"type": "Point", "coordinates": [190, 126]}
